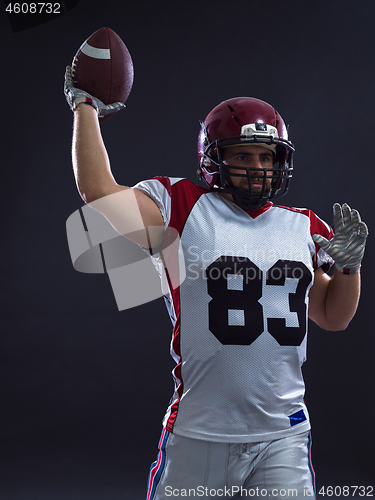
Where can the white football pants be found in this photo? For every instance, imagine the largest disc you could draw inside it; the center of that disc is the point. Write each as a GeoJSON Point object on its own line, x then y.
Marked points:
{"type": "Point", "coordinates": [191, 468]}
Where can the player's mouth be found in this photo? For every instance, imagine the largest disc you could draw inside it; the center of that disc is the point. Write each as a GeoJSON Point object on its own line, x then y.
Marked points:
{"type": "Point", "coordinates": [257, 183]}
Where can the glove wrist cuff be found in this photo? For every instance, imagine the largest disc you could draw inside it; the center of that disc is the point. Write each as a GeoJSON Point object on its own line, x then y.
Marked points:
{"type": "Point", "coordinates": [85, 100]}
{"type": "Point", "coordinates": [347, 270]}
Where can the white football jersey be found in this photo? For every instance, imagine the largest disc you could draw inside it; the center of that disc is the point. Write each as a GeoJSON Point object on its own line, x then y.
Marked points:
{"type": "Point", "coordinates": [240, 314]}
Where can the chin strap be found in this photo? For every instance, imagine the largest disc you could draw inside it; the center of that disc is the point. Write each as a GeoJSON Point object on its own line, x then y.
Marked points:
{"type": "Point", "coordinates": [249, 204]}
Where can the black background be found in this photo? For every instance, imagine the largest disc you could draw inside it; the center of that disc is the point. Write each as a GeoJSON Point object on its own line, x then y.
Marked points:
{"type": "Point", "coordinates": [84, 386]}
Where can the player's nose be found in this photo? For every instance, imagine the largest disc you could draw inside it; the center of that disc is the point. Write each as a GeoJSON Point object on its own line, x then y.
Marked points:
{"type": "Point", "coordinates": [255, 165]}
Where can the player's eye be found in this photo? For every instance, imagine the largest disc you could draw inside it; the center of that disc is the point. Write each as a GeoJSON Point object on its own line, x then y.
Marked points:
{"type": "Point", "coordinates": [265, 159]}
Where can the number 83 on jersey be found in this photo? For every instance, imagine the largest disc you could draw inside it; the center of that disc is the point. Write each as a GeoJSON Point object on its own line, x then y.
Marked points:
{"type": "Point", "coordinates": [244, 298]}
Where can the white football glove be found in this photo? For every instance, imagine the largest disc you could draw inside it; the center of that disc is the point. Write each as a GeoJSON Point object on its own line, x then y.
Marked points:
{"type": "Point", "coordinates": [348, 245]}
{"type": "Point", "coordinates": [75, 96]}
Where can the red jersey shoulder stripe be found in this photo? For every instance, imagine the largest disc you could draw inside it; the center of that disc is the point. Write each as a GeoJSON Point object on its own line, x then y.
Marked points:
{"type": "Point", "coordinates": [184, 194]}
{"type": "Point", "coordinates": [317, 225]}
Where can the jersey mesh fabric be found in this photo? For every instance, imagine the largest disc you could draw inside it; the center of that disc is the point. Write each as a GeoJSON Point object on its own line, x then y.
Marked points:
{"type": "Point", "coordinates": [240, 316]}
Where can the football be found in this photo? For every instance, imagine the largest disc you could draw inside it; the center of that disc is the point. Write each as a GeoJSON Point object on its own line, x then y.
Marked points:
{"type": "Point", "coordinates": [103, 67]}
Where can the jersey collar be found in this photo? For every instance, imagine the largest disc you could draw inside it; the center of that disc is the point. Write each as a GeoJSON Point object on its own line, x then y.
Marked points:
{"type": "Point", "coordinates": [259, 211]}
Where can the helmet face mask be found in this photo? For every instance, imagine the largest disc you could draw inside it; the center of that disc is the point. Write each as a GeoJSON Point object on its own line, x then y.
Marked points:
{"type": "Point", "coordinates": [239, 122]}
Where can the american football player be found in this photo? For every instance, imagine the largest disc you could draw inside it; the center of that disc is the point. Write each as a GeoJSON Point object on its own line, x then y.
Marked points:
{"type": "Point", "coordinates": [255, 272]}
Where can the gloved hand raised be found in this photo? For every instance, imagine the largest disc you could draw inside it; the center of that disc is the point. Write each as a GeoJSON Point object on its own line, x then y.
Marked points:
{"type": "Point", "coordinates": [348, 245]}
{"type": "Point", "coordinates": [76, 96]}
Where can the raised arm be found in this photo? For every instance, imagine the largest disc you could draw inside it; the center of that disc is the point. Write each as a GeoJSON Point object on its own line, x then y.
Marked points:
{"type": "Point", "coordinates": [131, 213]}
{"type": "Point", "coordinates": [90, 160]}
{"type": "Point", "coordinates": [333, 301]}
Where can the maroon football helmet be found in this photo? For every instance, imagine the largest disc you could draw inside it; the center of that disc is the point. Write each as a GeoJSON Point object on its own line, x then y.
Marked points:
{"type": "Point", "coordinates": [239, 121]}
